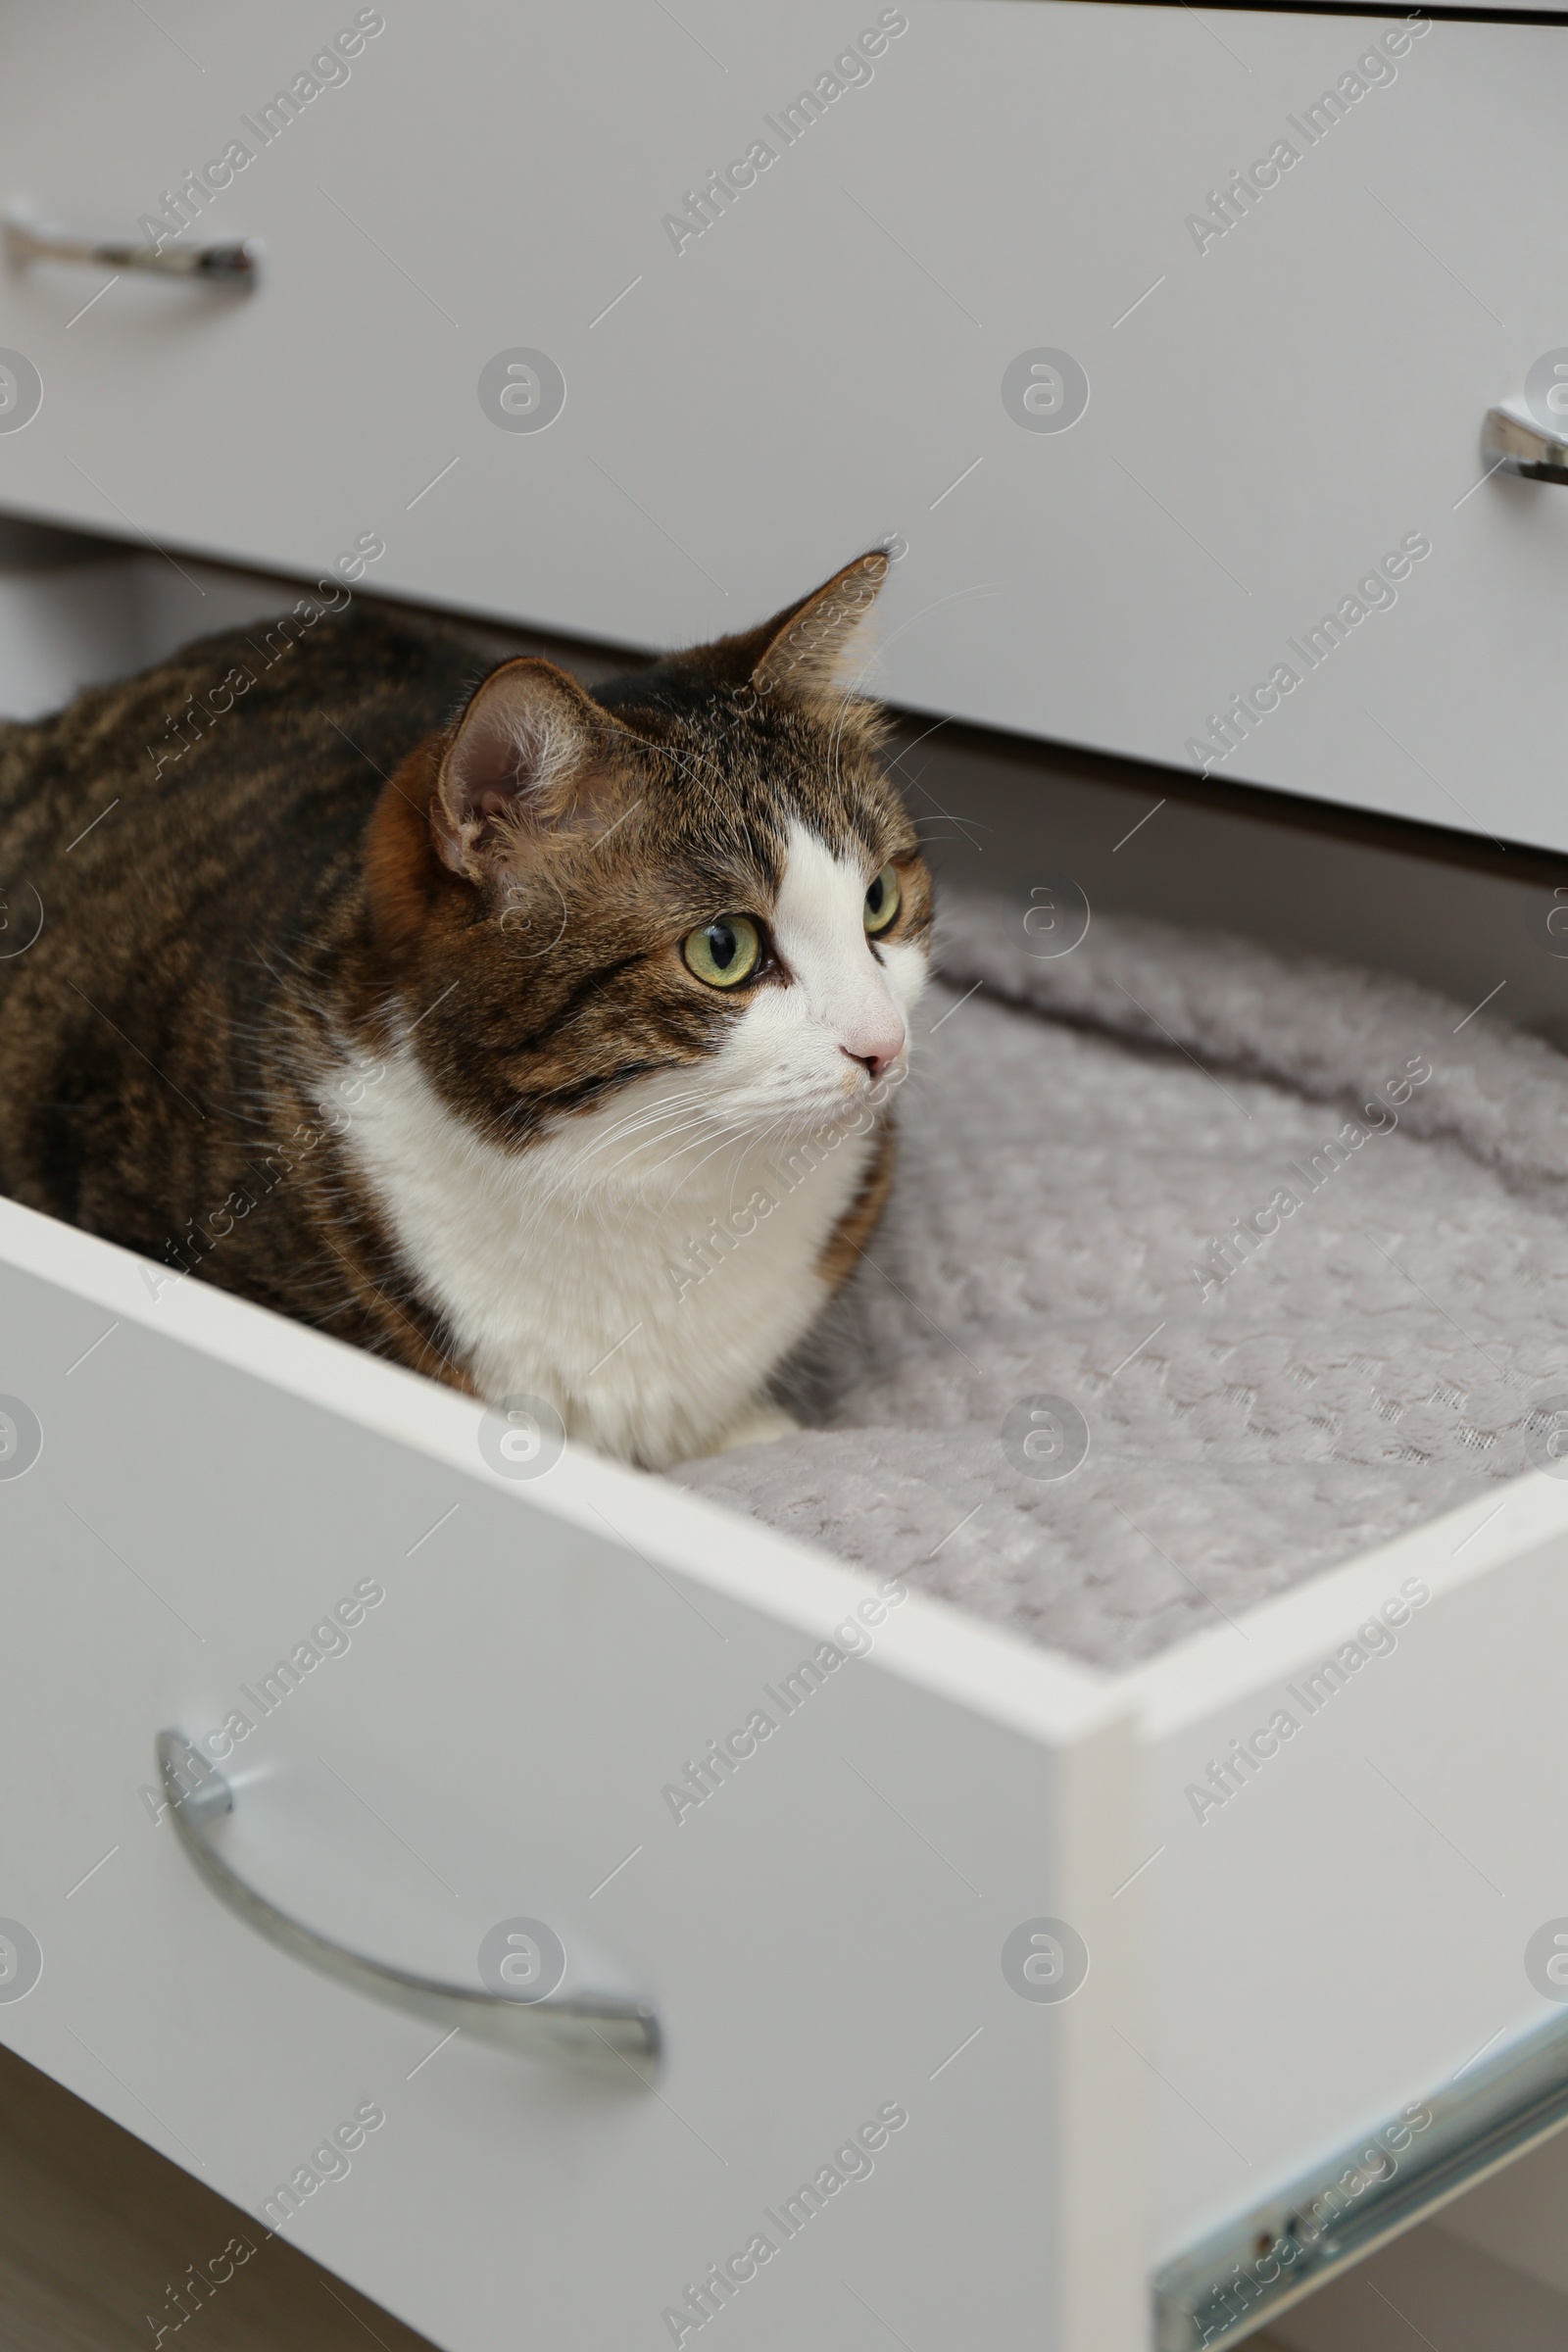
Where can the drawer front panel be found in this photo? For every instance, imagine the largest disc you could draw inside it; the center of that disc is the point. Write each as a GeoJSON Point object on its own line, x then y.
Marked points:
{"type": "Point", "coordinates": [503, 1733]}
{"type": "Point", "coordinates": [1273, 413]}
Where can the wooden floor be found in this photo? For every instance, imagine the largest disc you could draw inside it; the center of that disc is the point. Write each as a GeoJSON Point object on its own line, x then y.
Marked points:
{"type": "Point", "coordinates": [97, 2232]}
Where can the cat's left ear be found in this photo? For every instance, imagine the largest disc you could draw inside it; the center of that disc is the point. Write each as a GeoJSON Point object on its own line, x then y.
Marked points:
{"type": "Point", "coordinates": [813, 651]}
{"type": "Point", "coordinates": [523, 759]}
{"type": "Point", "coordinates": [817, 650]}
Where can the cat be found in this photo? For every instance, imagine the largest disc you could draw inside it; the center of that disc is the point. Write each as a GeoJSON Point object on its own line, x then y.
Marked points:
{"type": "Point", "coordinates": [541, 1041]}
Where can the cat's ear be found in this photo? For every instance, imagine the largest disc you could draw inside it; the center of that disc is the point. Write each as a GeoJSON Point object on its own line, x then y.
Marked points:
{"type": "Point", "coordinates": [817, 649]}
{"type": "Point", "coordinates": [522, 760]}
{"type": "Point", "coordinates": [814, 649]}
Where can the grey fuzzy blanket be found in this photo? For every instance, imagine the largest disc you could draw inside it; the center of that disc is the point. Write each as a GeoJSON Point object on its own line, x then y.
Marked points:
{"type": "Point", "coordinates": [1076, 1137]}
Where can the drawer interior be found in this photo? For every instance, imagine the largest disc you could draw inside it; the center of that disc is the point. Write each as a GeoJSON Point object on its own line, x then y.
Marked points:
{"type": "Point", "coordinates": [1213, 1259]}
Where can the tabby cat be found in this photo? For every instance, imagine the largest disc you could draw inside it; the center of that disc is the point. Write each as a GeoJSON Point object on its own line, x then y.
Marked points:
{"type": "Point", "coordinates": [539, 1040]}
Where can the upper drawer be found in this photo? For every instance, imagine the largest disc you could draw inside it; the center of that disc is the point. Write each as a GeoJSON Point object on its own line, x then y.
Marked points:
{"type": "Point", "coordinates": [845, 348]}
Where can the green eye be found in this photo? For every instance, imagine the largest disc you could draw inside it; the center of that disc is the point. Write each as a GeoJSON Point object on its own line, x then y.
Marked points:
{"type": "Point", "coordinates": [882, 901]}
{"type": "Point", "coordinates": [723, 952]}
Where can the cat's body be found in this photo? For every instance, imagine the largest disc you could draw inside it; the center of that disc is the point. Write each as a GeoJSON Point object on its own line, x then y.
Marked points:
{"type": "Point", "coordinates": [393, 1020]}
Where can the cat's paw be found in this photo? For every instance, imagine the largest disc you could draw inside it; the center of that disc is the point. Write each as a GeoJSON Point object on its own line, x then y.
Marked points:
{"type": "Point", "coordinates": [757, 1427]}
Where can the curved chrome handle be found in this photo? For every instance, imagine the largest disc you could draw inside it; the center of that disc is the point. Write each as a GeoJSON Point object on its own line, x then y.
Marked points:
{"type": "Point", "coordinates": [586, 2029]}
{"type": "Point", "coordinates": [1512, 444]}
{"type": "Point", "coordinates": [236, 263]}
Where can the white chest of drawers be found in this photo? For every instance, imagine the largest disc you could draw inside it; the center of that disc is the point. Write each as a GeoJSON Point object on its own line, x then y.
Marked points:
{"type": "Point", "coordinates": [823, 1936]}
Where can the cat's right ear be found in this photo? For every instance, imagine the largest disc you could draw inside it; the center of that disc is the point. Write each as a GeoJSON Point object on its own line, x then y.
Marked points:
{"type": "Point", "coordinates": [523, 759]}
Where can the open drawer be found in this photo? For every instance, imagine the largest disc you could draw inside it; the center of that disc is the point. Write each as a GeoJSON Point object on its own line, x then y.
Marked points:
{"type": "Point", "coordinates": [498, 1740]}
{"type": "Point", "coordinates": [941, 1951]}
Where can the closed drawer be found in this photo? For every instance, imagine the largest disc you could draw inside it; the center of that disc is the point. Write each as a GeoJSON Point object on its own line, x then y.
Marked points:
{"type": "Point", "coordinates": [1273, 411]}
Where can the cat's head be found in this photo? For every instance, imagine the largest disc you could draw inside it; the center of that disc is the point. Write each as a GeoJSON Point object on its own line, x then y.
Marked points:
{"type": "Point", "coordinates": [699, 880]}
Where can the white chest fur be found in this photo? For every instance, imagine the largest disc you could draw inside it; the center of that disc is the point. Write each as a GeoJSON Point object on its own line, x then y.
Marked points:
{"type": "Point", "coordinates": [647, 1301]}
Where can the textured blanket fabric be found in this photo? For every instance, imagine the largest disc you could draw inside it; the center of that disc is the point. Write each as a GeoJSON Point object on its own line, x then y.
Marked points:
{"type": "Point", "coordinates": [1078, 1135]}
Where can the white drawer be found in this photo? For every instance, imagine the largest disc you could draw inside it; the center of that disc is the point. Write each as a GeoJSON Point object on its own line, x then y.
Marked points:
{"type": "Point", "coordinates": [1269, 417]}
{"type": "Point", "coordinates": [820, 1938]}
{"type": "Point", "coordinates": [823, 1938]}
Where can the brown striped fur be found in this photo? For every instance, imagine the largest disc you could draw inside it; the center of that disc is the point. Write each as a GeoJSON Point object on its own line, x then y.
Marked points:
{"type": "Point", "coordinates": [298, 885]}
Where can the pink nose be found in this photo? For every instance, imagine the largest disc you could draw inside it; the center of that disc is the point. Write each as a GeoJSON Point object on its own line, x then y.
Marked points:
{"type": "Point", "coordinates": [876, 1050]}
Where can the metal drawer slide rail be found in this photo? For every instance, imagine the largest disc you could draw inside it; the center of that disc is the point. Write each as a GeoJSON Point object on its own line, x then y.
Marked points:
{"type": "Point", "coordinates": [1346, 2207]}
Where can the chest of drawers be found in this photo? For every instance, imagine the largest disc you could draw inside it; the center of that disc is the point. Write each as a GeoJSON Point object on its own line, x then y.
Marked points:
{"type": "Point", "coordinates": [882, 1907]}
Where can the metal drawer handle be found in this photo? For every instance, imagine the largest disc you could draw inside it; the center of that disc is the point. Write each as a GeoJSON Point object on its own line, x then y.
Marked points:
{"type": "Point", "coordinates": [1511, 444]}
{"type": "Point", "coordinates": [236, 264]}
{"type": "Point", "coordinates": [584, 2030]}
